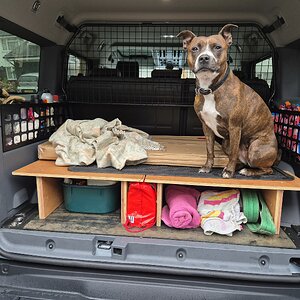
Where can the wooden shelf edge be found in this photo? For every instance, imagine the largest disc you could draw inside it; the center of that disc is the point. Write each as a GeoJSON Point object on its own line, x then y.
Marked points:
{"type": "Point", "coordinates": [50, 170]}
{"type": "Point", "coordinates": [227, 183]}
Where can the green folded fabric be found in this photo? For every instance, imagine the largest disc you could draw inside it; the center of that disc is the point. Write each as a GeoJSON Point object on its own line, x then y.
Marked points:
{"type": "Point", "coordinates": [250, 205]}
{"type": "Point", "coordinates": [257, 213]}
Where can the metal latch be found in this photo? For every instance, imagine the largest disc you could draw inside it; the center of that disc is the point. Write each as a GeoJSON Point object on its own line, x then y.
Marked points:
{"type": "Point", "coordinates": [104, 245]}
{"type": "Point", "coordinates": [18, 220]}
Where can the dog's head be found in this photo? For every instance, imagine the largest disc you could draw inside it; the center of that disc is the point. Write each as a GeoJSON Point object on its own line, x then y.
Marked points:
{"type": "Point", "coordinates": [207, 54]}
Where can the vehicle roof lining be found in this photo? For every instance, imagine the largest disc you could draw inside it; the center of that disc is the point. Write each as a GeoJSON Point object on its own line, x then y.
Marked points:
{"type": "Point", "coordinates": [77, 12]}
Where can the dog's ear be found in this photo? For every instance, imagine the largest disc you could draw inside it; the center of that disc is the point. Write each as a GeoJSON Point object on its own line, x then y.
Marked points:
{"type": "Point", "coordinates": [226, 33]}
{"type": "Point", "coordinates": [187, 37]}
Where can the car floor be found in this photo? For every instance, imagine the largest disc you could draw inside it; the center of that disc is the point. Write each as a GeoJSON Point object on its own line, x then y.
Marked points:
{"type": "Point", "coordinates": [110, 224]}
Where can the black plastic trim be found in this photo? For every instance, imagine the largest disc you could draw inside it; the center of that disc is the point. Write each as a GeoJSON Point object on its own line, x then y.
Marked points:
{"type": "Point", "coordinates": [20, 280]}
{"type": "Point", "coordinates": [148, 269]}
{"type": "Point", "coordinates": [24, 33]}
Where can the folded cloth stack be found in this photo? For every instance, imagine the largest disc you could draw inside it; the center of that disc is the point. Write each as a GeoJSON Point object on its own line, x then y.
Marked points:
{"type": "Point", "coordinates": [220, 212]}
{"type": "Point", "coordinates": [181, 208]}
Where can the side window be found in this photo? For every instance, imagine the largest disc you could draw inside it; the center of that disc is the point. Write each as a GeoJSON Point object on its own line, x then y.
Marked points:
{"type": "Point", "coordinates": [76, 66]}
{"type": "Point", "coordinates": [264, 70]}
{"type": "Point", "coordinates": [19, 64]}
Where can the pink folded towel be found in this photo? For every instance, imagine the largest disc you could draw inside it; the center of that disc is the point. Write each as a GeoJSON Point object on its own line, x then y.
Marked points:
{"type": "Point", "coordinates": [181, 209]}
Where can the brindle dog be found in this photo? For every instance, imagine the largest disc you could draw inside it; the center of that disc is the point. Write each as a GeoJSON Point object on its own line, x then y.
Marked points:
{"type": "Point", "coordinates": [228, 108]}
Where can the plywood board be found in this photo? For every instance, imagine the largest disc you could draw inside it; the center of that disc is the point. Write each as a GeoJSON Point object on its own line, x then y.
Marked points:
{"type": "Point", "coordinates": [187, 151]}
{"type": "Point", "coordinates": [50, 195]}
{"type": "Point", "coordinates": [46, 151]}
{"type": "Point", "coordinates": [159, 200]}
{"type": "Point", "coordinates": [273, 200]}
{"type": "Point", "coordinates": [43, 168]}
{"type": "Point", "coordinates": [124, 193]}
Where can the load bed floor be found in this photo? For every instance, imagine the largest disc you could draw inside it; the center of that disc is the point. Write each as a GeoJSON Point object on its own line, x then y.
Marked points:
{"type": "Point", "coordinates": [109, 224]}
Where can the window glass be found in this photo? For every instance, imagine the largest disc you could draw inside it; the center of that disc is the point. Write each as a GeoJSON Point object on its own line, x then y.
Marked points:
{"type": "Point", "coordinates": [19, 64]}
{"type": "Point", "coordinates": [135, 50]}
{"type": "Point", "coordinates": [76, 66]}
{"type": "Point", "coordinates": [264, 70]}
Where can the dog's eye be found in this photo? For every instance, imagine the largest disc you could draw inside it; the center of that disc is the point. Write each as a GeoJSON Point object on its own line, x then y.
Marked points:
{"type": "Point", "coordinates": [218, 47]}
{"type": "Point", "coordinates": [195, 49]}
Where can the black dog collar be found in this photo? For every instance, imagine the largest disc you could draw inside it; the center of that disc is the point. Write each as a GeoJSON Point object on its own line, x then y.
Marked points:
{"type": "Point", "coordinates": [213, 87]}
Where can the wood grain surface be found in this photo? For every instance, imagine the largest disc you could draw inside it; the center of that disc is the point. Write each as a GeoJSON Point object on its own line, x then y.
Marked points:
{"type": "Point", "coordinates": [187, 151]}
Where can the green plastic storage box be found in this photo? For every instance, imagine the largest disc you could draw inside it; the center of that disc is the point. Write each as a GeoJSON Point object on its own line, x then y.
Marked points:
{"type": "Point", "coordinates": [98, 199]}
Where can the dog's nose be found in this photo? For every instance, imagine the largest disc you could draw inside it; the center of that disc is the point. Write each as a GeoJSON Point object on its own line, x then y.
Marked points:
{"type": "Point", "coordinates": [204, 58]}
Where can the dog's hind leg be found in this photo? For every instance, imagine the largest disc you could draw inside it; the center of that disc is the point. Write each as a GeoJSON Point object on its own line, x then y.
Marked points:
{"type": "Point", "coordinates": [262, 153]}
{"type": "Point", "coordinates": [255, 172]}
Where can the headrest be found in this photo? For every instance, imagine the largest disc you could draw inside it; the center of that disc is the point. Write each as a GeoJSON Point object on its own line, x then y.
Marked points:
{"type": "Point", "coordinates": [128, 68]}
{"type": "Point", "coordinates": [166, 73]}
{"type": "Point", "coordinates": [105, 72]}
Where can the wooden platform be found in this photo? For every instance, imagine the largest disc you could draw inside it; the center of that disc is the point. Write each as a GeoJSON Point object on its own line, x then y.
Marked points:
{"type": "Point", "coordinates": [109, 224]}
{"type": "Point", "coordinates": [49, 176]}
{"type": "Point", "coordinates": [48, 169]}
{"type": "Point", "coordinates": [187, 151]}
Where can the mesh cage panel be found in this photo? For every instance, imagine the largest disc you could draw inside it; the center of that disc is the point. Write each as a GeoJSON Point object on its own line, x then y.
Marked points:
{"type": "Point", "coordinates": [146, 64]}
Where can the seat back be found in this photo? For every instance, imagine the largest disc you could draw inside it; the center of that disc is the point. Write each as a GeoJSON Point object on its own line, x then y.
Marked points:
{"type": "Point", "coordinates": [128, 68]}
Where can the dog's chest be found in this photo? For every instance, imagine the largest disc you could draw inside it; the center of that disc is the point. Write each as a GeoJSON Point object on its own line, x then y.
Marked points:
{"type": "Point", "coordinates": [209, 113]}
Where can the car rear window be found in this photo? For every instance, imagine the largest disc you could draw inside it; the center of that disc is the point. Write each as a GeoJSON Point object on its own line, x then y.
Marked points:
{"type": "Point", "coordinates": [17, 57]}
{"type": "Point", "coordinates": [140, 63]}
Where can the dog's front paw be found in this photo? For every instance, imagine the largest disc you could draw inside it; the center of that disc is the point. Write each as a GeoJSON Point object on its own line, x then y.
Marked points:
{"type": "Point", "coordinates": [204, 169]}
{"type": "Point", "coordinates": [227, 174]}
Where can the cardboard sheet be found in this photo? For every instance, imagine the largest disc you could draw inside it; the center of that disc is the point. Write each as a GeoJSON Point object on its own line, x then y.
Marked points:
{"type": "Point", "coordinates": [187, 151]}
